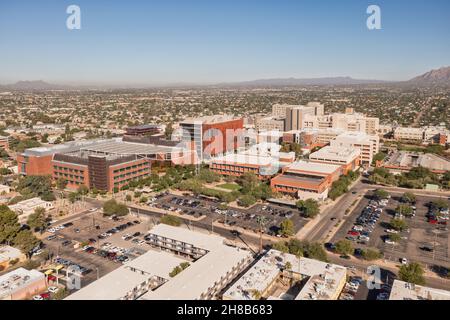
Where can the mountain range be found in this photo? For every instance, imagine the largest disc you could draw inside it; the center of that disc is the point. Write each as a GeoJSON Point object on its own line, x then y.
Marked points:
{"type": "Point", "coordinates": [434, 77]}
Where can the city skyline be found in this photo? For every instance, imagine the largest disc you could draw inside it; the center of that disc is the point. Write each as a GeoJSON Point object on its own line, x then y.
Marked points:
{"type": "Point", "coordinates": [200, 42]}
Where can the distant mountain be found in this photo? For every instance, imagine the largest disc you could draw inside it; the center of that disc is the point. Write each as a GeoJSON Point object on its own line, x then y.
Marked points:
{"type": "Point", "coordinates": [37, 85]}
{"type": "Point", "coordinates": [439, 76]}
{"type": "Point", "coordinates": [304, 82]}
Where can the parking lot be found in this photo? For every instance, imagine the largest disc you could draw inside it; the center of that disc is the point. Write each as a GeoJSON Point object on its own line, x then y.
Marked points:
{"type": "Point", "coordinates": [96, 244]}
{"type": "Point", "coordinates": [198, 206]}
{"type": "Point", "coordinates": [424, 240]}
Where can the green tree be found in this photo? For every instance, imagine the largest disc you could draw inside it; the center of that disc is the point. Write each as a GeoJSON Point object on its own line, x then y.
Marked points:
{"type": "Point", "coordinates": [344, 247]}
{"type": "Point", "coordinates": [9, 225]}
{"type": "Point", "coordinates": [246, 200]}
{"type": "Point", "coordinates": [409, 197]}
{"type": "Point", "coordinates": [37, 220]}
{"type": "Point", "coordinates": [26, 241]}
{"type": "Point", "coordinates": [404, 209]}
{"type": "Point", "coordinates": [61, 183]}
{"type": "Point", "coordinates": [381, 194]}
{"type": "Point", "coordinates": [74, 197]}
{"type": "Point", "coordinates": [412, 273]}
{"type": "Point", "coordinates": [370, 254]}
{"type": "Point", "coordinates": [170, 220]}
{"type": "Point", "coordinates": [112, 207]}
{"type": "Point", "coordinates": [309, 208]}
{"type": "Point", "coordinates": [398, 224]}
{"type": "Point", "coordinates": [286, 228]}
{"type": "Point", "coordinates": [83, 190]}
{"type": "Point", "coordinates": [394, 237]}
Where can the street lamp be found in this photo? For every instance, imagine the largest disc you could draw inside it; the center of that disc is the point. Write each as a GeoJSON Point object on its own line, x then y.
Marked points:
{"type": "Point", "coordinates": [261, 220]}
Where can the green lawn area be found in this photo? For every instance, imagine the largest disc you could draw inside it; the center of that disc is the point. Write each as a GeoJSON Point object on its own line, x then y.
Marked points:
{"type": "Point", "coordinates": [229, 186]}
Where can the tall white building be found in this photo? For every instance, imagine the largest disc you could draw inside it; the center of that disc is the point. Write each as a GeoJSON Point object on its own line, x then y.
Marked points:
{"type": "Point", "coordinates": [368, 145]}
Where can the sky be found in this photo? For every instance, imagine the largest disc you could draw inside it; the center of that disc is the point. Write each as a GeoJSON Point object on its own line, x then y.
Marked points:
{"type": "Point", "coordinates": [137, 42]}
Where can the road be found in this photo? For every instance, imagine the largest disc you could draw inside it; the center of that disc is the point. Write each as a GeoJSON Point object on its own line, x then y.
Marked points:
{"type": "Point", "coordinates": [337, 211]}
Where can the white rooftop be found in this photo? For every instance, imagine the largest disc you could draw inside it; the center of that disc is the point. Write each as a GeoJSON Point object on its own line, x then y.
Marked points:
{"type": "Point", "coordinates": [189, 284]}
{"type": "Point", "coordinates": [321, 168]}
{"type": "Point", "coordinates": [407, 291]}
{"type": "Point", "coordinates": [9, 253]}
{"type": "Point", "coordinates": [123, 280]}
{"type": "Point", "coordinates": [262, 274]}
{"type": "Point", "coordinates": [17, 279]}
{"type": "Point", "coordinates": [335, 153]}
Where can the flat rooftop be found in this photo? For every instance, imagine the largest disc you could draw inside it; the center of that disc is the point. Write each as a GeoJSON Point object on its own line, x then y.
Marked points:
{"type": "Point", "coordinates": [407, 291]}
{"type": "Point", "coordinates": [104, 146]}
{"type": "Point", "coordinates": [189, 284]}
{"type": "Point", "coordinates": [286, 179]}
{"type": "Point", "coordinates": [17, 279]}
{"type": "Point", "coordinates": [210, 119]}
{"type": "Point", "coordinates": [313, 167]}
{"type": "Point", "coordinates": [323, 279]}
{"type": "Point", "coordinates": [118, 283]}
{"type": "Point", "coordinates": [335, 153]}
{"type": "Point", "coordinates": [414, 159]}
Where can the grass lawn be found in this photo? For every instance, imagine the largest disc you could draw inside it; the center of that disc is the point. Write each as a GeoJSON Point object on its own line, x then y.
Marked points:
{"type": "Point", "coordinates": [229, 186]}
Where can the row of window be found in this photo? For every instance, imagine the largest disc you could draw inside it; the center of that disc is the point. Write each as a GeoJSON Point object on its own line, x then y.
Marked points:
{"type": "Point", "coordinates": [67, 169]}
{"type": "Point", "coordinates": [131, 167]}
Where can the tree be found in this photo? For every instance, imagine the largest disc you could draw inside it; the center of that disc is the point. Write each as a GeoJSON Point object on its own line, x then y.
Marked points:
{"type": "Point", "coordinates": [404, 209]}
{"type": "Point", "coordinates": [439, 204]}
{"type": "Point", "coordinates": [371, 254]}
{"type": "Point", "coordinates": [286, 228]}
{"type": "Point", "coordinates": [112, 207]}
{"type": "Point", "coordinates": [83, 190]}
{"type": "Point", "coordinates": [309, 208]}
{"type": "Point", "coordinates": [344, 247]}
{"type": "Point", "coordinates": [398, 224]}
{"type": "Point", "coordinates": [61, 183]}
{"type": "Point", "coordinates": [74, 197]}
{"type": "Point", "coordinates": [408, 197]}
{"type": "Point", "coordinates": [37, 220]}
{"type": "Point", "coordinates": [128, 198]}
{"type": "Point", "coordinates": [394, 237]}
{"type": "Point", "coordinates": [412, 273]}
{"type": "Point", "coordinates": [9, 225]}
{"type": "Point", "coordinates": [170, 220]}
{"type": "Point", "coordinates": [26, 241]}
{"type": "Point", "coordinates": [36, 186]}
{"type": "Point", "coordinates": [168, 131]}
{"type": "Point", "coordinates": [246, 200]}
{"type": "Point", "coordinates": [381, 194]}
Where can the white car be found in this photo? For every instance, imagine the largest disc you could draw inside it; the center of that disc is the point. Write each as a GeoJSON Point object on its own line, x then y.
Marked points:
{"type": "Point", "coordinates": [52, 230]}
{"type": "Point", "coordinates": [358, 228]}
{"type": "Point", "coordinates": [93, 209]}
{"type": "Point", "coordinates": [141, 242]}
{"type": "Point", "coordinates": [38, 298]}
{"type": "Point", "coordinates": [52, 289]}
{"type": "Point", "coordinates": [404, 261]}
{"type": "Point", "coordinates": [388, 241]}
{"type": "Point", "coordinates": [364, 238]}
{"type": "Point", "coordinates": [391, 231]}
{"type": "Point", "coordinates": [126, 236]}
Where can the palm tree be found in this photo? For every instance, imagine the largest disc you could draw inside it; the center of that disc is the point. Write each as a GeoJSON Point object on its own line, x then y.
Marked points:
{"type": "Point", "coordinates": [261, 221]}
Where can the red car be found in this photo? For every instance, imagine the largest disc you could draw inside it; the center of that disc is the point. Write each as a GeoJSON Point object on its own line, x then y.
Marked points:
{"type": "Point", "coordinates": [432, 221]}
{"type": "Point", "coordinates": [353, 233]}
{"type": "Point", "coordinates": [45, 296]}
{"type": "Point", "coordinates": [51, 278]}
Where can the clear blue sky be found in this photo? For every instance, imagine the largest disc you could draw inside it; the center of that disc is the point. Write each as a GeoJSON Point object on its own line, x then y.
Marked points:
{"type": "Point", "coordinates": [165, 41]}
